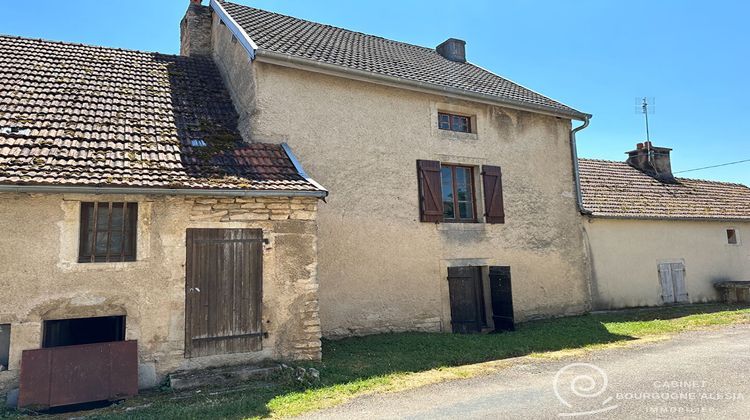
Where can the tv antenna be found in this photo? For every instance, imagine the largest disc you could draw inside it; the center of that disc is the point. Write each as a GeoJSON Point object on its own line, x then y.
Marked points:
{"type": "Point", "coordinates": [645, 106]}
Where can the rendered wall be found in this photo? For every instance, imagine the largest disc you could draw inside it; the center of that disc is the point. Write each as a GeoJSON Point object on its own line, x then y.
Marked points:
{"type": "Point", "coordinates": [625, 256]}
{"type": "Point", "coordinates": [380, 269]}
{"type": "Point", "coordinates": [42, 279]}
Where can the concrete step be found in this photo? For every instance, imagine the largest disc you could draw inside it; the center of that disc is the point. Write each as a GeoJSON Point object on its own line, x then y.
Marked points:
{"type": "Point", "coordinates": [221, 376]}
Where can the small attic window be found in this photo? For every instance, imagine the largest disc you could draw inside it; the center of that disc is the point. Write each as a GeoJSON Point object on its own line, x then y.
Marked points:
{"type": "Point", "coordinates": [15, 130]}
{"type": "Point", "coordinates": [732, 236]}
{"type": "Point", "coordinates": [198, 143]}
{"type": "Point", "coordinates": [453, 122]}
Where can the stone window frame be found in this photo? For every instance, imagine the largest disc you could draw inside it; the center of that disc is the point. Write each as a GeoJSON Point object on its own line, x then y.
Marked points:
{"type": "Point", "coordinates": [475, 116]}
{"type": "Point", "coordinates": [70, 233]}
{"type": "Point", "coordinates": [128, 231]}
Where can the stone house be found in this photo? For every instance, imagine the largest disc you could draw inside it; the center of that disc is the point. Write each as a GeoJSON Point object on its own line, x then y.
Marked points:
{"type": "Point", "coordinates": [154, 200]}
{"type": "Point", "coordinates": [657, 239]}
{"type": "Point", "coordinates": [447, 212]}
{"type": "Point", "coordinates": [133, 212]}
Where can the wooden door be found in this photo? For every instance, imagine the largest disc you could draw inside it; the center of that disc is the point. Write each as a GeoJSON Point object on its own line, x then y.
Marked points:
{"type": "Point", "coordinates": [223, 291]}
{"type": "Point", "coordinates": [502, 299]}
{"type": "Point", "coordinates": [467, 301]}
{"type": "Point", "coordinates": [672, 281]}
{"type": "Point", "coordinates": [678, 278]}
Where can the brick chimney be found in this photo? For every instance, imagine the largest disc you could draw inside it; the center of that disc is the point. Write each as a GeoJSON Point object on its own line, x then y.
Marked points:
{"type": "Point", "coordinates": [453, 49]}
{"type": "Point", "coordinates": [195, 30]}
{"type": "Point", "coordinates": [653, 161]}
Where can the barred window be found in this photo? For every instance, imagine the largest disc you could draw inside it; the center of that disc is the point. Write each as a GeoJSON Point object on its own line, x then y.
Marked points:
{"type": "Point", "coordinates": [108, 232]}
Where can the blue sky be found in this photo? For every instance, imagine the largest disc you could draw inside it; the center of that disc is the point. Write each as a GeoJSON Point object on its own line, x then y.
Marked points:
{"type": "Point", "coordinates": [597, 56]}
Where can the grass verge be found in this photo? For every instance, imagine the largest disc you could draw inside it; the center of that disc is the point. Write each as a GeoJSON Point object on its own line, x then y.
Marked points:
{"type": "Point", "coordinates": [391, 362]}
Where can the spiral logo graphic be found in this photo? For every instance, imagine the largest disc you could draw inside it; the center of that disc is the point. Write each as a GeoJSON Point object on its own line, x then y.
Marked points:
{"type": "Point", "coordinates": [582, 385]}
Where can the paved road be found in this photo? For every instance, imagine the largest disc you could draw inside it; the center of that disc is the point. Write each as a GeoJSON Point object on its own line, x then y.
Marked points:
{"type": "Point", "coordinates": [700, 374]}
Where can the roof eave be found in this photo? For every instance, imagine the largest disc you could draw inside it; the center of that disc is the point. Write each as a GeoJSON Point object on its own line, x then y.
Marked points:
{"type": "Point", "coordinates": [74, 189]}
{"type": "Point", "coordinates": [671, 218]}
{"type": "Point", "coordinates": [288, 60]}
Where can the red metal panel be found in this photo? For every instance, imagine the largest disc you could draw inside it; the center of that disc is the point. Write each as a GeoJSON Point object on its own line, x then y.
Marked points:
{"type": "Point", "coordinates": [123, 376]}
{"type": "Point", "coordinates": [79, 374]}
{"type": "Point", "coordinates": [35, 376]}
{"type": "Point", "coordinates": [65, 375]}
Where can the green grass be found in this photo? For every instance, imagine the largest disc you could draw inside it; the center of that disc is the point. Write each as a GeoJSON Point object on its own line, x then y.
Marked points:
{"type": "Point", "coordinates": [390, 362]}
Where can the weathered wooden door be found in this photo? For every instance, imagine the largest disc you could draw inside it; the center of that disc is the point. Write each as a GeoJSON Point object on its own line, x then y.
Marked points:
{"type": "Point", "coordinates": [502, 299]}
{"type": "Point", "coordinates": [672, 280]}
{"type": "Point", "coordinates": [223, 291]}
{"type": "Point", "coordinates": [467, 299]}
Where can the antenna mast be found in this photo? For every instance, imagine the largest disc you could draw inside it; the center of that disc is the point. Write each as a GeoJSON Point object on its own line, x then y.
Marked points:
{"type": "Point", "coordinates": [645, 106]}
{"type": "Point", "coordinates": [645, 114]}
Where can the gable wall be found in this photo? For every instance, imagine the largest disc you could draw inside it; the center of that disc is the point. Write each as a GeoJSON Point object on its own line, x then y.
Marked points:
{"type": "Point", "coordinates": [625, 256]}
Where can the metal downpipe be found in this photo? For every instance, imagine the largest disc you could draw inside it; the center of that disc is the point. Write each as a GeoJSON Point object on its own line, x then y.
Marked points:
{"type": "Point", "coordinates": [576, 169]}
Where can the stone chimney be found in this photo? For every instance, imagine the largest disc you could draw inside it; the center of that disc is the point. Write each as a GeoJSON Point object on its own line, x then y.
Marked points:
{"type": "Point", "coordinates": [195, 30]}
{"type": "Point", "coordinates": [453, 49]}
{"type": "Point", "coordinates": [653, 161]}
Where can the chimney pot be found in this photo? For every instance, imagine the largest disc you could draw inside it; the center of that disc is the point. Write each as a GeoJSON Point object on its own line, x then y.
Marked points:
{"type": "Point", "coordinates": [639, 146]}
{"type": "Point", "coordinates": [198, 2]}
{"type": "Point", "coordinates": [453, 49]}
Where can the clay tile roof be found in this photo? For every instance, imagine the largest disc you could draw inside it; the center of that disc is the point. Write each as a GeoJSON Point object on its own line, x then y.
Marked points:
{"type": "Point", "coordinates": [615, 189]}
{"type": "Point", "coordinates": [341, 47]}
{"type": "Point", "coordinates": [90, 116]}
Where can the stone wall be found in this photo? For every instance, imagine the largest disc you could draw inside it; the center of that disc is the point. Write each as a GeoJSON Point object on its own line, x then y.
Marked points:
{"type": "Point", "coordinates": [243, 209]}
{"type": "Point", "coordinates": [43, 279]}
{"type": "Point", "coordinates": [195, 31]}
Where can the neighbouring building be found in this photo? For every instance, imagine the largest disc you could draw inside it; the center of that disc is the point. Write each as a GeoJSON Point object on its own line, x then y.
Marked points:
{"type": "Point", "coordinates": [132, 211]}
{"type": "Point", "coordinates": [423, 229]}
{"type": "Point", "coordinates": [657, 239]}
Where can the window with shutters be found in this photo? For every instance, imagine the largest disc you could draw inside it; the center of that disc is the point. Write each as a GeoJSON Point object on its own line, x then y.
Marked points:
{"type": "Point", "coordinates": [108, 232]}
{"type": "Point", "coordinates": [447, 193]}
{"type": "Point", "coordinates": [457, 186]}
{"type": "Point", "coordinates": [454, 122]}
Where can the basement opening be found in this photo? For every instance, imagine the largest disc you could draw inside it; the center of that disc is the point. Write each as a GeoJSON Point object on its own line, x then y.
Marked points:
{"type": "Point", "coordinates": [71, 332]}
{"type": "Point", "coordinates": [4, 346]}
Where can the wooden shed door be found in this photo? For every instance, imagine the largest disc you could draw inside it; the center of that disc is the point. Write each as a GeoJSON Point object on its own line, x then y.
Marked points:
{"type": "Point", "coordinates": [223, 291]}
{"type": "Point", "coordinates": [672, 280]}
{"type": "Point", "coordinates": [502, 299]}
{"type": "Point", "coordinates": [467, 299]}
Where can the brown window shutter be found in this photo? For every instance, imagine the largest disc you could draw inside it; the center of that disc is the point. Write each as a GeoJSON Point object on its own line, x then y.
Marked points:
{"type": "Point", "coordinates": [494, 210]}
{"type": "Point", "coordinates": [430, 193]}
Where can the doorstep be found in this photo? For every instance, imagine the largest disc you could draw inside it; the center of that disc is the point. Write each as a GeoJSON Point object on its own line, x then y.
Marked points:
{"type": "Point", "coordinates": [221, 376]}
